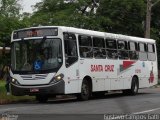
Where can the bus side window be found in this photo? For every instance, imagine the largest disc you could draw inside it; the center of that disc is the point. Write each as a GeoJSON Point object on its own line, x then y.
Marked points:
{"type": "Point", "coordinates": [123, 49]}
{"type": "Point", "coordinates": [133, 53]}
{"type": "Point", "coordinates": [151, 52]}
{"type": "Point", "coordinates": [142, 51]}
{"type": "Point", "coordinates": [99, 48]}
{"type": "Point", "coordinates": [111, 49]}
{"type": "Point", "coordinates": [70, 46]}
{"type": "Point", "coordinates": [85, 46]}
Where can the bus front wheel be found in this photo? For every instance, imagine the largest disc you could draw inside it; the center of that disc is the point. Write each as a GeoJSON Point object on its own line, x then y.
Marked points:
{"type": "Point", "coordinates": [85, 91]}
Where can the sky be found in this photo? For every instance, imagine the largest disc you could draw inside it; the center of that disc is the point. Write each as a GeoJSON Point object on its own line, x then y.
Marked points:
{"type": "Point", "coordinates": [26, 5]}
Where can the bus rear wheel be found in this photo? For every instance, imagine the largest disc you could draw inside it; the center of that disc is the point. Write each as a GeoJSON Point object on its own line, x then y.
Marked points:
{"type": "Point", "coordinates": [85, 91]}
{"type": "Point", "coordinates": [42, 98]}
{"type": "Point", "coordinates": [134, 87]}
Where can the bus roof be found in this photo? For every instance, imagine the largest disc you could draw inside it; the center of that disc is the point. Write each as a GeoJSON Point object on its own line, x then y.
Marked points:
{"type": "Point", "coordinates": [96, 33]}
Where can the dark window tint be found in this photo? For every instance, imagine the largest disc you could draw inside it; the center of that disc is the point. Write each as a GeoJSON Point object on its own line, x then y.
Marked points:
{"type": "Point", "coordinates": [70, 48]}
{"type": "Point", "coordinates": [111, 44]}
{"type": "Point", "coordinates": [98, 48]}
{"type": "Point", "coordinates": [86, 52]}
{"type": "Point", "coordinates": [112, 53]}
{"type": "Point", "coordinates": [133, 54]}
{"type": "Point", "coordinates": [99, 53]}
{"type": "Point", "coordinates": [98, 42]}
{"type": "Point", "coordinates": [122, 52]}
{"type": "Point", "coordinates": [85, 40]}
{"type": "Point", "coordinates": [85, 46]}
{"type": "Point", "coordinates": [122, 45]}
{"type": "Point", "coordinates": [111, 49]}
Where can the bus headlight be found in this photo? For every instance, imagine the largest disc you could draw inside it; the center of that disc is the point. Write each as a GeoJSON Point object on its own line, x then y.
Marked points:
{"type": "Point", "coordinates": [57, 78]}
{"type": "Point", "coordinates": [14, 81]}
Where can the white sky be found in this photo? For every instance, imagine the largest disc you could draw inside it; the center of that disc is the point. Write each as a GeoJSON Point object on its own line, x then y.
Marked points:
{"type": "Point", "coordinates": [26, 5]}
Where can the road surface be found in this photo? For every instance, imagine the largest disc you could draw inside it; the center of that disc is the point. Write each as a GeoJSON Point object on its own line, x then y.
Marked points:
{"type": "Point", "coordinates": [147, 102]}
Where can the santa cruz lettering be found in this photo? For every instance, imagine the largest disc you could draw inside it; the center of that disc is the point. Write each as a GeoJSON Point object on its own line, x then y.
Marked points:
{"type": "Point", "coordinates": [101, 68]}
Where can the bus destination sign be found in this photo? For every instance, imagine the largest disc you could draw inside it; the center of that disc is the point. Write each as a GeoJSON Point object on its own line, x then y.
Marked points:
{"type": "Point", "coordinates": [36, 32]}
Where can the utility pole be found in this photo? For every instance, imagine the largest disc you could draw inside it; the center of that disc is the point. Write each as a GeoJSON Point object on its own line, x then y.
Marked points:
{"type": "Point", "coordinates": [148, 17]}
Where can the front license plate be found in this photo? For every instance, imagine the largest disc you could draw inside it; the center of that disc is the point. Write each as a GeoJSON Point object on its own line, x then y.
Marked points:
{"type": "Point", "coordinates": [34, 90]}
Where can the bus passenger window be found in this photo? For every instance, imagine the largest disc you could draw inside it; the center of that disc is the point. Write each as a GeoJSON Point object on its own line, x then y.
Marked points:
{"type": "Point", "coordinates": [86, 52]}
{"type": "Point", "coordinates": [123, 50]}
{"type": "Point", "coordinates": [85, 46]}
{"type": "Point", "coordinates": [111, 49]}
{"type": "Point", "coordinates": [133, 53]}
{"type": "Point", "coordinates": [151, 52]}
{"type": "Point", "coordinates": [99, 48]}
{"type": "Point", "coordinates": [142, 51]}
{"type": "Point", "coordinates": [70, 45]}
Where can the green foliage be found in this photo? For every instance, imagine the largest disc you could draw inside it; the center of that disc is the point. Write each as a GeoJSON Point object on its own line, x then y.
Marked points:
{"type": "Point", "coordinates": [115, 16]}
{"type": "Point", "coordinates": [123, 16]}
{"type": "Point", "coordinates": [9, 8]}
{"type": "Point", "coordinates": [9, 20]}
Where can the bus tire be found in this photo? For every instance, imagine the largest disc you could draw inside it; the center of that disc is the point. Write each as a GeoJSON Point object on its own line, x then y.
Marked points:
{"type": "Point", "coordinates": [85, 91]}
{"type": "Point", "coordinates": [42, 98]}
{"type": "Point", "coordinates": [134, 86]}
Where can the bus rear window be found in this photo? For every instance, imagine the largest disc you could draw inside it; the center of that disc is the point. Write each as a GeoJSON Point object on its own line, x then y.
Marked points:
{"type": "Point", "coordinates": [36, 32]}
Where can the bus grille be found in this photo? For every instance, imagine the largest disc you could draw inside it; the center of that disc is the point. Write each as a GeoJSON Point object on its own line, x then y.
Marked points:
{"type": "Point", "coordinates": [34, 77]}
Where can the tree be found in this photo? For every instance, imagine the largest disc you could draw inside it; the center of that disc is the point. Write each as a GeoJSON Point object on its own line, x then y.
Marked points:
{"type": "Point", "coordinates": [155, 26]}
{"type": "Point", "coordinates": [9, 8]}
{"type": "Point", "coordinates": [122, 16]}
{"type": "Point", "coordinates": [9, 20]}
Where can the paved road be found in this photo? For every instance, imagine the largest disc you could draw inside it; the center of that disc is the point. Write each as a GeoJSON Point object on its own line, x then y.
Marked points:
{"type": "Point", "coordinates": [146, 102]}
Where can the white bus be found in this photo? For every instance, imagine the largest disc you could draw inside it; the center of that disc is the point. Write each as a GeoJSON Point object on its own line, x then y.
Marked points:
{"type": "Point", "coordinates": [54, 60]}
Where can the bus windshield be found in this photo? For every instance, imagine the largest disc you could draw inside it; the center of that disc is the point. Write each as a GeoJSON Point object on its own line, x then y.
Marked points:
{"type": "Point", "coordinates": [36, 55]}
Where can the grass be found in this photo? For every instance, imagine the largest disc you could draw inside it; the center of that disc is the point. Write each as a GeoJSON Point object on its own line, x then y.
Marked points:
{"type": "Point", "coordinates": [4, 98]}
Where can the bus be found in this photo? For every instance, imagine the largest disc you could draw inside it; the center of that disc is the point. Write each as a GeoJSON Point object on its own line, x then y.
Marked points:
{"type": "Point", "coordinates": [58, 60]}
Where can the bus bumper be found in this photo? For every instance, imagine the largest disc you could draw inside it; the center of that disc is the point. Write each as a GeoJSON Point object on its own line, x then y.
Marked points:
{"type": "Point", "coordinates": [57, 88]}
